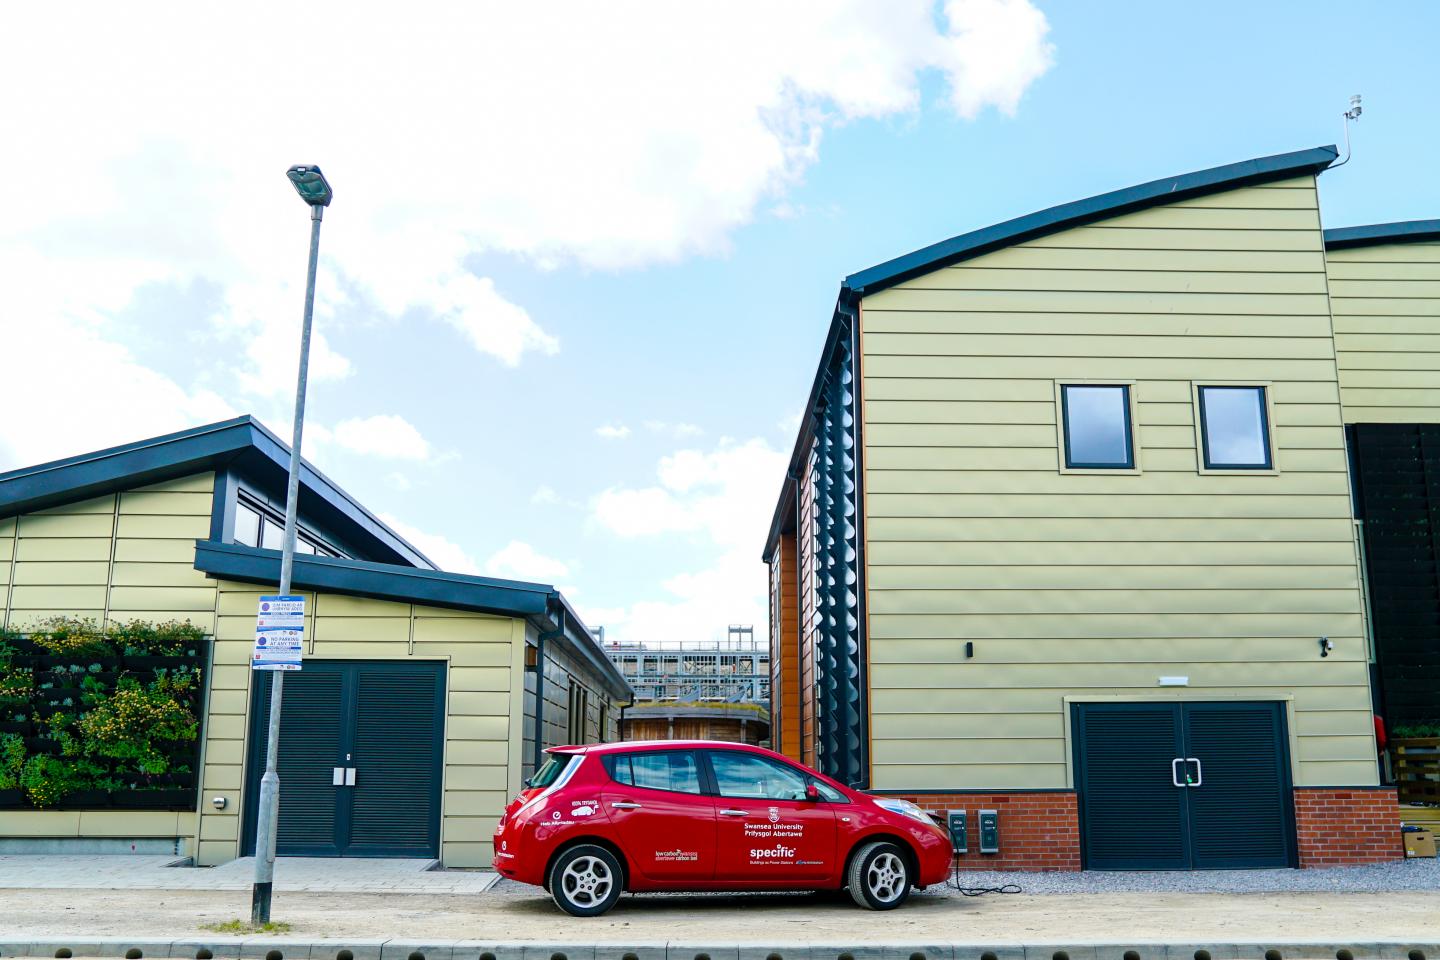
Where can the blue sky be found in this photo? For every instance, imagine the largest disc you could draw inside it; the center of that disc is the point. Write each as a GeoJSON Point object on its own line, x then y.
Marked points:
{"type": "Point", "coordinates": [579, 268]}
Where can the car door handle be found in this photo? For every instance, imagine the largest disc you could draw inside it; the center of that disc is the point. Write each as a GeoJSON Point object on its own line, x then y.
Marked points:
{"type": "Point", "coordinates": [732, 812]}
{"type": "Point", "coordinates": [625, 805]}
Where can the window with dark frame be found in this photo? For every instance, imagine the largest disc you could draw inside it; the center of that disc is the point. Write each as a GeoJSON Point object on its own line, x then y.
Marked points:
{"type": "Point", "coordinates": [258, 527]}
{"type": "Point", "coordinates": [1234, 428]}
{"type": "Point", "coordinates": [1097, 428]}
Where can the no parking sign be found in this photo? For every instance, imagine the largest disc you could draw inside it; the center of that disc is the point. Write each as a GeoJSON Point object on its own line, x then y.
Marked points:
{"type": "Point", "coordinates": [279, 633]}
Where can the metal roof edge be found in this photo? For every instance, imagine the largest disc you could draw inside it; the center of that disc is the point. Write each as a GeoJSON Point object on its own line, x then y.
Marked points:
{"type": "Point", "coordinates": [388, 581]}
{"type": "Point", "coordinates": [1370, 234]}
{"type": "Point", "coordinates": [1090, 209]}
{"type": "Point", "coordinates": [155, 459]}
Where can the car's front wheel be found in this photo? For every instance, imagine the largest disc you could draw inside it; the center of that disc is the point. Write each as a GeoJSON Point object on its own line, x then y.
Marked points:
{"type": "Point", "coordinates": [585, 880]}
{"type": "Point", "coordinates": [879, 876]}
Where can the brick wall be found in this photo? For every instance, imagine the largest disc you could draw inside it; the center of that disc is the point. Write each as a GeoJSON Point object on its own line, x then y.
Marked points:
{"type": "Point", "coordinates": [1038, 831]}
{"type": "Point", "coordinates": [1338, 827]}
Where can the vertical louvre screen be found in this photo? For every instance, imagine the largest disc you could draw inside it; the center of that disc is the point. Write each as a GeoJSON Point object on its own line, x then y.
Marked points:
{"type": "Point", "coordinates": [1239, 814]}
{"type": "Point", "coordinates": [840, 737]}
{"type": "Point", "coordinates": [1134, 815]}
{"type": "Point", "coordinates": [1397, 471]}
{"type": "Point", "coordinates": [397, 759]}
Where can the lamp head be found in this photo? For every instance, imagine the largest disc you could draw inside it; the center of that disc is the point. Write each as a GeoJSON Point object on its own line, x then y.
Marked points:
{"type": "Point", "coordinates": [311, 184]}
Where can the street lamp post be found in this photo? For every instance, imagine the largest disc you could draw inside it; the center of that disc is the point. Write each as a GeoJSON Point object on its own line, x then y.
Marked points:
{"type": "Point", "coordinates": [315, 190]}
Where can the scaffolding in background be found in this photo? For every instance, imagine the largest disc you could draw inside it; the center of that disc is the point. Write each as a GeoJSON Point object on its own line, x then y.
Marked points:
{"type": "Point", "coordinates": [733, 670]}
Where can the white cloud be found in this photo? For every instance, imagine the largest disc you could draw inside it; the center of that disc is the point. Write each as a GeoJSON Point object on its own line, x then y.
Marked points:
{"type": "Point", "coordinates": [68, 388]}
{"type": "Point", "coordinates": [720, 501]}
{"type": "Point", "coordinates": [383, 435]}
{"type": "Point", "coordinates": [544, 494]}
{"type": "Point", "coordinates": [997, 49]}
{"type": "Point", "coordinates": [520, 561]}
{"type": "Point", "coordinates": [569, 133]}
{"type": "Point", "coordinates": [680, 431]}
{"type": "Point", "coordinates": [445, 553]}
{"type": "Point", "coordinates": [612, 431]}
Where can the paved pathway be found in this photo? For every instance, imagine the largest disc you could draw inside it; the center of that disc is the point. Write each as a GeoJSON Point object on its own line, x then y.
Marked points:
{"type": "Point", "coordinates": [292, 874]}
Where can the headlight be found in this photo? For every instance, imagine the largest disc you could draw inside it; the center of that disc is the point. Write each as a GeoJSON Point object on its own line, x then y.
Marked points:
{"type": "Point", "coordinates": [906, 809]}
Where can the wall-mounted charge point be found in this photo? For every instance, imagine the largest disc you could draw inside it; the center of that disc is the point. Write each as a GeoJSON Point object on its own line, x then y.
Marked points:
{"type": "Point", "coordinates": [989, 831]}
{"type": "Point", "coordinates": [955, 820]}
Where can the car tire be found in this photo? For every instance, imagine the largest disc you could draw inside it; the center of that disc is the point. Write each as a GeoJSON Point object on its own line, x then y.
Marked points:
{"type": "Point", "coordinates": [879, 876]}
{"type": "Point", "coordinates": [586, 880]}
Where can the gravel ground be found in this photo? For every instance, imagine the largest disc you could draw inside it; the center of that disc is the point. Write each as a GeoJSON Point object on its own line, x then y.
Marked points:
{"type": "Point", "coordinates": [1375, 878]}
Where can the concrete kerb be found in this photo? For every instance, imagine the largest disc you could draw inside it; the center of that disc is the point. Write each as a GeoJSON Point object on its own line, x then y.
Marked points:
{"type": "Point", "coordinates": [331, 949]}
{"type": "Point", "coordinates": [220, 948]}
{"type": "Point", "coordinates": [229, 948]}
{"type": "Point", "coordinates": [427, 950]}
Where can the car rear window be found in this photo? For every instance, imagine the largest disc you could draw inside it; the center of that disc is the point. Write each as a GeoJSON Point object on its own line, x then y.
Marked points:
{"type": "Point", "coordinates": [549, 770]}
{"type": "Point", "coordinates": [673, 770]}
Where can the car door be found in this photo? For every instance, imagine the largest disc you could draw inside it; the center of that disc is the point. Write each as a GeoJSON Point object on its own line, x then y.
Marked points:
{"type": "Point", "coordinates": [768, 832]}
{"type": "Point", "coordinates": [663, 819]}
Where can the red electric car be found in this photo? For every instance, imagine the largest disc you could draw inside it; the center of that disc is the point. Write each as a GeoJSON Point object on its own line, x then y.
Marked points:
{"type": "Point", "coordinates": [598, 820]}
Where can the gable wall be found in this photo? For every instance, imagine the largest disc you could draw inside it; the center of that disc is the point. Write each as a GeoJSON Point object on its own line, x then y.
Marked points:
{"type": "Point", "coordinates": [1077, 585]}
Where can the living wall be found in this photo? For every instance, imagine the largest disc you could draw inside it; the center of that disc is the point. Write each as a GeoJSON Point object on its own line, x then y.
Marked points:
{"type": "Point", "coordinates": [96, 718]}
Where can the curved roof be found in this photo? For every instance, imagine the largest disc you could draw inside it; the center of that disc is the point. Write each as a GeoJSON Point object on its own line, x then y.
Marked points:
{"type": "Point", "coordinates": [1405, 231]}
{"type": "Point", "coordinates": [1079, 212]}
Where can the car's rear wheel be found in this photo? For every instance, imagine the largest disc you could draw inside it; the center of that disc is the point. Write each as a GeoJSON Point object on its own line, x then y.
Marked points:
{"type": "Point", "coordinates": [879, 876]}
{"type": "Point", "coordinates": [585, 881]}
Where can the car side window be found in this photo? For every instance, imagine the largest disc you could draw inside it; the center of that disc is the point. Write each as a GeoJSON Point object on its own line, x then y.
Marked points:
{"type": "Point", "coordinates": [828, 793]}
{"type": "Point", "coordinates": [673, 770]}
{"type": "Point", "coordinates": [749, 775]}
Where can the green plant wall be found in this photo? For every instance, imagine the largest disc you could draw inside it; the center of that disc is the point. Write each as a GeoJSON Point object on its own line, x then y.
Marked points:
{"type": "Point", "coordinates": [101, 718]}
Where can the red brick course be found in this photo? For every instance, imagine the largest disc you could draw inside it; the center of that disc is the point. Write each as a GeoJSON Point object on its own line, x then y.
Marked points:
{"type": "Point", "coordinates": [1041, 831]}
{"type": "Point", "coordinates": [1337, 827]}
{"type": "Point", "coordinates": [1038, 831]}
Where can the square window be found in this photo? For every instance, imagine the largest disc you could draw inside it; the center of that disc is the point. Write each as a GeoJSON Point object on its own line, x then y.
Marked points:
{"type": "Point", "coordinates": [1097, 427]}
{"type": "Point", "coordinates": [1234, 429]}
{"type": "Point", "coordinates": [273, 535]}
{"type": "Point", "coordinates": [247, 526]}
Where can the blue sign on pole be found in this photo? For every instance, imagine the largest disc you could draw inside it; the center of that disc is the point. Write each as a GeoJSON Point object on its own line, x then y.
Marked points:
{"type": "Point", "coordinates": [279, 633]}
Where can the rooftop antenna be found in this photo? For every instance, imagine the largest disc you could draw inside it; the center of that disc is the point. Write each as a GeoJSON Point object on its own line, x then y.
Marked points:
{"type": "Point", "coordinates": [1352, 114]}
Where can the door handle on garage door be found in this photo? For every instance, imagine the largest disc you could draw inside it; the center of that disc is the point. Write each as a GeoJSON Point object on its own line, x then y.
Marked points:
{"type": "Point", "coordinates": [1199, 773]}
{"type": "Point", "coordinates": [349, 776]}
{"type": "Point", "coordinates": [625, 805]}
{"type": "Point", "coordinates": [1175, 771]}
{"type": "Point", "coordinates": [731, 812]}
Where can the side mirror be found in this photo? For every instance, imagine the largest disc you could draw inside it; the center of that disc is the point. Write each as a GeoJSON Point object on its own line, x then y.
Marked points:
{"type": "Point", "coordinates": [812, 793]}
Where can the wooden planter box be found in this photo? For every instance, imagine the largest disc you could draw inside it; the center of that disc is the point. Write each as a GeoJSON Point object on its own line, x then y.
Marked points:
{"type": "Point", "coordinates": [1416, 761]}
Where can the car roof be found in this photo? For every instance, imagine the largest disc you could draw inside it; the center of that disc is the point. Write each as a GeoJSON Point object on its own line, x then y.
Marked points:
{"type": "Point", "coordinates": [629, 745]}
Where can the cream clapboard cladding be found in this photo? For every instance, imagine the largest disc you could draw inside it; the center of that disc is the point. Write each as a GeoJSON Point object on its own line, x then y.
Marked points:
{"type": "Point", "coordinates": [1386, 301]}
{"type": "Point", "coordinates": [1094, 584]}
{"type": "Point", "coordinates": [132, 555]}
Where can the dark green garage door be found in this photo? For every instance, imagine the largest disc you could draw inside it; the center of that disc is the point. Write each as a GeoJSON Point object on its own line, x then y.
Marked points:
{"type": "Point", "coordinates": [360, 759]}
{"type": "Point", "coordinates": [1183, 786]}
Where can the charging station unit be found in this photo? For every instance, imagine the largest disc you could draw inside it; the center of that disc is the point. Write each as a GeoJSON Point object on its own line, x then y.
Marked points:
{"type": "Point", "coordinates": [955, 821]}
{"type": "Point", "coordinates": [989, 831]}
